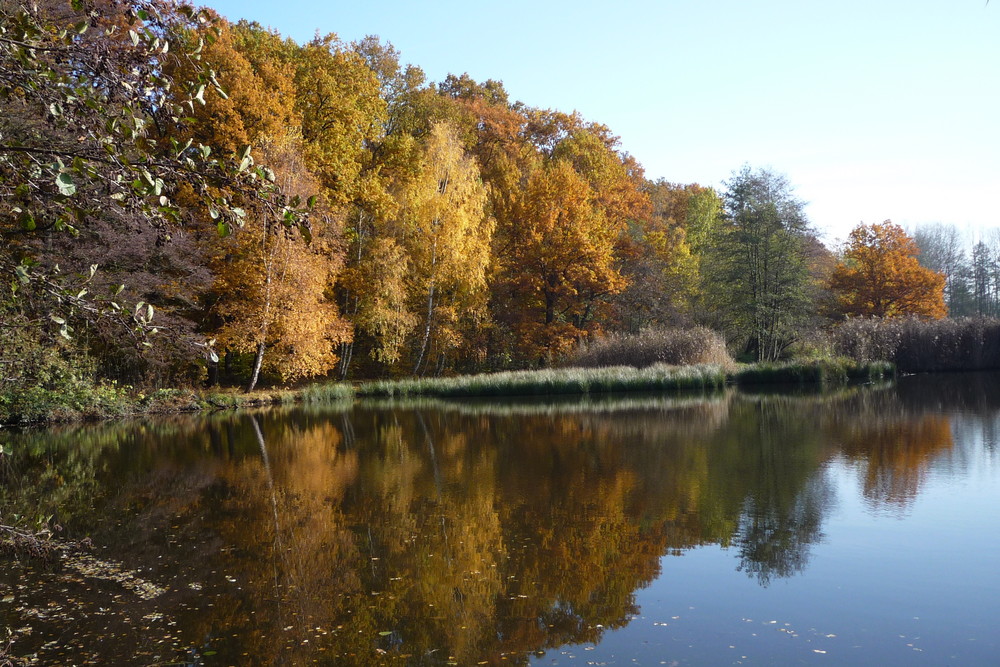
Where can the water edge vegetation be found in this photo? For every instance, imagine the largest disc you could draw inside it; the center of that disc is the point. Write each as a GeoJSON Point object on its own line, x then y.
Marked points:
{"type": "Point", "coordinates": [112, 401]}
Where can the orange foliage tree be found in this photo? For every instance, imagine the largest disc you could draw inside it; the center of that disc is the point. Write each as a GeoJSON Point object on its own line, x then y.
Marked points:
{"type": "Point", "coordinates": [251, 65]}
{"type": "Point", "coordinates": [561, 261]}
{"type": "Point", "coordinates": [271, 289]}
{"type": "Point", "coordinates": [880, 276]}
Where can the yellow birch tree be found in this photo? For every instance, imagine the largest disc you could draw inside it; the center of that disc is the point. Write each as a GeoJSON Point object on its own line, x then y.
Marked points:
{"type": "Point", "coordinates": [447, 234]}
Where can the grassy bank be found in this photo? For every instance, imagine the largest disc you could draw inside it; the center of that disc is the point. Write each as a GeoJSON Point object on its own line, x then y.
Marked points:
{"type": "Point", "coordinates": [655, 360]}
{"type": "Point", "coordinates": [111, 401]}
{"type": "Point", "coordinates": [552, 382]}
{"type": "Point", "coordinates": [629, 379]}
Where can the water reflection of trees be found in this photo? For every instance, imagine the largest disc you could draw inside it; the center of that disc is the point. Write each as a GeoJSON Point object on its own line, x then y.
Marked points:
{"type": "Point", "coordinates": [783, 496]}
{"type": "Point", "coordinates": [895, 438]}
{"type": "Point", "coordinates": [894, 453]}
{"type": "Point", "coordinates": [469, 534]}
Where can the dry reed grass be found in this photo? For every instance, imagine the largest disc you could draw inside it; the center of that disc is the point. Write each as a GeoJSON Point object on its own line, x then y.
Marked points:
{"type": "Point", "coordinates": [915, 345]}
{"type": "Point", "coordinates": [673, 347]}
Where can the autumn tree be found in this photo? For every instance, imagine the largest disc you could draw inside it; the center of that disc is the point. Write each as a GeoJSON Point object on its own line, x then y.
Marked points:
{"type": "Point", "coordinates": [372, 290]}
{"type": "Point", "coordinates": [448, 237]}
{"type": "Point", "coordinates": [881, 277]}
{"type": "Point", "coordinates": [563, 196]}
{"type": "Point", "coordinates": [275, 299]}
{"type": "Point", "coordinates": [495, 132]}
{"type": "Point", "coordinates": [562, 261]}
{"type": "Point", "coordinates": [490, 128]}
{"type": "Point", "coordinates": [662, 255]}
{"type": "Point", "coordinates": [759, 283]}
{"type": "Point", "coordinates": [253, 67]}
{"type": "Point", "coordinates": [376, 291]}
{"type": "Point", "coordinates": [273, 285]}
{"type": "Point", "coordinates": [615, 177]}
{"type": "Point", "coordinates": [339, 101]}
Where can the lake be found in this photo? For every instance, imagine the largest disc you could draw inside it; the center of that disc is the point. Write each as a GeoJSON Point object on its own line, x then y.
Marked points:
{"type": "Point", "coordinates": [853, 527]}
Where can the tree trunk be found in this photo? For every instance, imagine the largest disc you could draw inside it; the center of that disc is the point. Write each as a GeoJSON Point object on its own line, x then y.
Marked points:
{"type": "Point", "coordinates": [347, 349]}
{"type": "Point", "coordinates": [346, 352]}
{"type": "Point", "coordinates": [430, 304]}
{"type": "Point", "coordinates": [427, 330]}
{"type": "Point", "coordinates": [258, 360]}
{"type": "Point", "coordinates": [213, 373]}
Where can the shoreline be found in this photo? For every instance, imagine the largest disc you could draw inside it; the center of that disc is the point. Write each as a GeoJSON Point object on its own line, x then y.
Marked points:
{"type": "Point", "coordinates": [116, 402]}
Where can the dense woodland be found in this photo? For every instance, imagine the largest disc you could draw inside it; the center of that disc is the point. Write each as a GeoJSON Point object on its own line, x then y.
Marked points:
{"type": "Point", "coordinates": [189, 201]}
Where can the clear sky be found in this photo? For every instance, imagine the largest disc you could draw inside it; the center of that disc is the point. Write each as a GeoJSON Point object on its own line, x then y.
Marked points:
{"type": "Point", "coordinates": [874, 109]}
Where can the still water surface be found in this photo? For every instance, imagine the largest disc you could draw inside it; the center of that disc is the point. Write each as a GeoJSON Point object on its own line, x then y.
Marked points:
{"type": "Point", "coordinates": [854, 528]}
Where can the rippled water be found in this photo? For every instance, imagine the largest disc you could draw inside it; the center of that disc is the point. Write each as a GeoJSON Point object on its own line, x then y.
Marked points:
{"type": "Point", "coordinates": [859, 527]}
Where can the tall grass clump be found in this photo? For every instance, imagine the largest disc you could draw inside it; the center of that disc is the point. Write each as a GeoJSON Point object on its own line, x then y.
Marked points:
{"type": "Point", "coordinates": [868, 339]}
{"type": "Point", "coordinates": [674, 347]}
{"type": "Point", "coordinates": [915, 345]}
{"type": "Point", "coordinates": [553, 382]}
{"type": "Point", "coordinates": [328, 392]}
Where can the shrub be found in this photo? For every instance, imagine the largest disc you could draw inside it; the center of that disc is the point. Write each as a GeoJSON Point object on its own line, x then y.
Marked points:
{"type": "Point", "coordinates": [868, 339]}
{"type": "Point", "coordinates": [949, 345]}
{"type": "Point", "coordinates": [40, 383]}
{"type": "Point", "coordinates": [674, 347]}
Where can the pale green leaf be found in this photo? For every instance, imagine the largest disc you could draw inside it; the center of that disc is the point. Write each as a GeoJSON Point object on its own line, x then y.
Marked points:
{"type": "Point", "coordinates": [66, 185]}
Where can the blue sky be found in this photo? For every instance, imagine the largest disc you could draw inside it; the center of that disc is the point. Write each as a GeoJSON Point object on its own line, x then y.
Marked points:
{"type": "Point", "coordinates": [874, 109]}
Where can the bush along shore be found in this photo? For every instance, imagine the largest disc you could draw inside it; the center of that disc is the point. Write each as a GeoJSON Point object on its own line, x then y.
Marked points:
{"type": "Point", "coordinates": [824, 371]}
{"type": "Point", "coordinates": [114, 401]}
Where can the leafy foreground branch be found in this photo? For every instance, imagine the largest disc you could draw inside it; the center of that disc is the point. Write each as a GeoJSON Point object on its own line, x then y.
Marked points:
{"type": "Point", "coordinates": [6, 658]}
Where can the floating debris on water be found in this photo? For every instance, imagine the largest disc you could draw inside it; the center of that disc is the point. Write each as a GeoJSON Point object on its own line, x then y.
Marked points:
{"type": "Point", "coordinates": [90, 566]}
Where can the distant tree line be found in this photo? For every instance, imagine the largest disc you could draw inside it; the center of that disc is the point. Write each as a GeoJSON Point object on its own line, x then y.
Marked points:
{"type": "Point", "coordinates": [971, 269]}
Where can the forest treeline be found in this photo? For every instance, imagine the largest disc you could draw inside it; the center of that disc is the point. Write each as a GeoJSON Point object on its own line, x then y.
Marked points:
{"type": "Point", "coordinates": [188, 200]}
